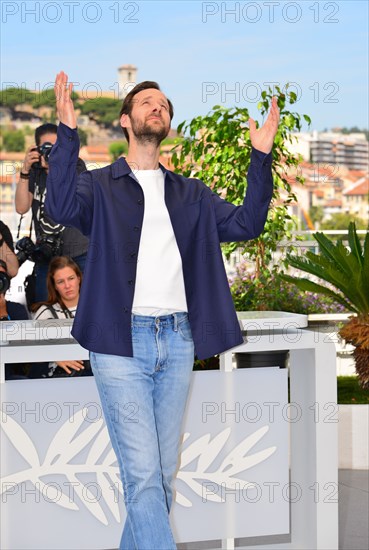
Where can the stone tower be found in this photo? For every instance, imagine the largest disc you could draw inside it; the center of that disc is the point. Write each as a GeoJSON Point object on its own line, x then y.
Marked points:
{"type": "Point", "coordinates": [127, 78]}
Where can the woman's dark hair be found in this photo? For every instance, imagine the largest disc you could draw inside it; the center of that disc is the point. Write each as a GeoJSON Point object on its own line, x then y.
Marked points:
{"type": "Point", "coordinates": [45, 129]}
{"type": "Point", "coordinates": [4, 265]}
{"type": "Point", "coordinates": [128, 100]}
{"type": "Point", "coordinates": [53, 296]}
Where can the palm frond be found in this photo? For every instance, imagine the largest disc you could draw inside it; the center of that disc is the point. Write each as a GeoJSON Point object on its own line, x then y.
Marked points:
{"type": "Point", "coordinates": [365, 268]}
{"type": "Point", "coordinates": [345, 269]}
{"type": "Point", "coordinates": [354, 243]}
{"type": "Point", "coordinates": [320, 267]}
{"type": "Point", "coordinates": [338, 254]}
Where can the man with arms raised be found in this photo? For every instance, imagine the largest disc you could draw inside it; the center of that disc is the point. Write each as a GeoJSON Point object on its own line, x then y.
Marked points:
{"type": "Point", "coordinates": [155, 291]}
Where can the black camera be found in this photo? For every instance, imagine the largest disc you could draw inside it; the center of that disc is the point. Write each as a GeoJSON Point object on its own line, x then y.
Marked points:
{"type": "Point", "coordinates": [46, 247]}
{"type": "Point", "coordinates": [44, 150]}
{"type": "Point", "coordinates": [4, 282]}
{"type": "Point", "coordinates": [26, 248]}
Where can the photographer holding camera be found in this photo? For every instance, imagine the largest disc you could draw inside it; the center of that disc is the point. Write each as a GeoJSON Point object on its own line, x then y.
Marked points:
{"type": "Point", "coordinates": [52, 239]}
{"type": "Point", "coordinates": [8, 269]}
{"type": "Point", "coordinates": [7, 250]}
{"type": "Point", "coordinates": [9, 311]}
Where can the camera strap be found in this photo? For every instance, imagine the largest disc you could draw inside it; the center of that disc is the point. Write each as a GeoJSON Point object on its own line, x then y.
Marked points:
{"type": "Point", "coordinates": [46, 224]}
{"type": "Point", "coordinates": [20, 224]}
{"type": "Point", "coordinates": [68, 313]}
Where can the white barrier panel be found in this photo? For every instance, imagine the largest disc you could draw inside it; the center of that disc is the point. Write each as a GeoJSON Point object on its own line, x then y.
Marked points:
{"type": "Point", "coordinates": [60, 480]}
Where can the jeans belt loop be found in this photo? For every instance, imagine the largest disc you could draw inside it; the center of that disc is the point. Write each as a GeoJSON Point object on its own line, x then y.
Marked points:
{"type": "Point", "coordinates": [175, 324]}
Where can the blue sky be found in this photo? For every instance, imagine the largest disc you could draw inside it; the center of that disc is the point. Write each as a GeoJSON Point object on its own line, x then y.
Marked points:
{"type": "Point", "coordinates": [199, 51]}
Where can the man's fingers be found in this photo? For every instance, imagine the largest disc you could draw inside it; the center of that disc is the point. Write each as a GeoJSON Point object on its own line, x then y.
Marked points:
{"type": "Point", "coordinates": [252, 125]}
{"type": "Point", "coordinates": [62, 91]}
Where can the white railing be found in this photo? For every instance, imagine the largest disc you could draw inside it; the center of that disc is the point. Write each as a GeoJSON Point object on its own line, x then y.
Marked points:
{"type": "Point", "coordinates": [53, 431]}
{"type": "Point", "coordinates": [301, 242]}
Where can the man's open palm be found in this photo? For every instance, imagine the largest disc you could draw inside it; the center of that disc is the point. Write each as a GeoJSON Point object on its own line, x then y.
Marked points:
{"type": "Point", "coordinates": [262, 138]}
{"type": "Point", "coordinates": [64, 104]}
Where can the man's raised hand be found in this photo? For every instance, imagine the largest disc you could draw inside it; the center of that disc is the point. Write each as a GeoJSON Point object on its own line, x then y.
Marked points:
{"type": "Point", "coordinates": [64, 104]}
{"type": "Point", "coordinates": [262, 138]}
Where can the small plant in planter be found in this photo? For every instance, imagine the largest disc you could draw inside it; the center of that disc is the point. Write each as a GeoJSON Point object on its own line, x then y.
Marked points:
{"type": "Point", "coordinates": [216, 148]}
{"type": "Point", "coordinates": [346, 270]}
{"type": "Point", "coordinates": [270, 292]}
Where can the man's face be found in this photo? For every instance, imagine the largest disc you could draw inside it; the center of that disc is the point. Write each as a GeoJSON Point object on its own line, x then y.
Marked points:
{"type": "Point", "coordinates": [150, 119]}
{"type": "Point", "coordinates": [50, 138]}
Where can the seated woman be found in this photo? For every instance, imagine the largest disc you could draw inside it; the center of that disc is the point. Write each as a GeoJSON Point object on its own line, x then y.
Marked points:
{"type": "Point", "coordinates": [64, 280]}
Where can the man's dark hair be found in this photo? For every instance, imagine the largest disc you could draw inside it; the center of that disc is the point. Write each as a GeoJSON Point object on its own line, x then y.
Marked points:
{"type": "Point", "coordinates": [128, 100]}
{"type": "Point", "coordinates": [45, 129]}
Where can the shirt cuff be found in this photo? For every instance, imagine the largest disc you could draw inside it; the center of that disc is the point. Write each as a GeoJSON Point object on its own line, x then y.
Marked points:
{"type": "Point", "coordinates": [258, 157]}
{"type": "Point", "coordinates": [67, 137]}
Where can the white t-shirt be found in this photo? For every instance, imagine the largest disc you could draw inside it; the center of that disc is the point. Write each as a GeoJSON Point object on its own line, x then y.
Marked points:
{"type": "Point", "coordinates": [159, 286]}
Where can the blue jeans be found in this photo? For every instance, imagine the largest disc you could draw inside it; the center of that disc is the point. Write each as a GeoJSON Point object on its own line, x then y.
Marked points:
{"type": "Point", "coordinates": [143, 399]}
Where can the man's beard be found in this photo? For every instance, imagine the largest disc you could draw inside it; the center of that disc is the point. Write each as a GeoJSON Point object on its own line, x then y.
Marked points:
{"type": "Point", "coordinates": [144, 133]}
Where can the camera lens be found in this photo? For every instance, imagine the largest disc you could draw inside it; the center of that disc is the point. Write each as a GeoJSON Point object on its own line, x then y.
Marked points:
{"type": "Point", "coordinates": [25, 248]}
{"type": "Point", "coordinates": [4, 282]}
{"type": "Point", "coordinates": [45, 150]}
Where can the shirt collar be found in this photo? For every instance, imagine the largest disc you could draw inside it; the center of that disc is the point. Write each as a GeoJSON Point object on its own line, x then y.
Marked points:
{"type": "Point", "coordinates": [120, 168]}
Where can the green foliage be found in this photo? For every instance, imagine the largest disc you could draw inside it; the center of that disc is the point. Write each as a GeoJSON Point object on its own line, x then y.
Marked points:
{"type": "Point", "coordinates": [217, 150]}
{"type": "Point", "coordinates": [172, 141]}
{"type": "Point", "coordinates": [49, 118]}
{"type": "Point", "coordinates": [13, 140]}
{"type": "Point", "coordinates": [117, 149]}
{"type": "Point", "coordinates": [46, 98]}
{"type": "Point", "coordinates": [271, 293]}
{"type": "Point", "coordinates": [28, 131]}
{"type": "Point", "coordinates": [104, 110]}
{"type": "Point", "coordinates": [11, 97]}
{"type": "Point", "coordinates": [83, 136]}
{"type": "Point", "coordinates": [349, 391]}
{"type": "Point", "coordinates": [341, 220]}
{"type": "Point", "coordinates": [316, 214]}
{"type": "Point", "coordinates": [344, 269]}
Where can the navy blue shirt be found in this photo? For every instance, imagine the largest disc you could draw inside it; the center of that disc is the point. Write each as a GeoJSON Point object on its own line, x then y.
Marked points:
{"type": "Point", "coordinates": [107, 205]}
{"type": "Point", "coordinates": [16, 312]}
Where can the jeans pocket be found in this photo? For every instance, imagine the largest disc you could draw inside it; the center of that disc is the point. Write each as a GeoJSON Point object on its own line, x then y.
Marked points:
{"type": "Point", "coordinates": [184, 330]}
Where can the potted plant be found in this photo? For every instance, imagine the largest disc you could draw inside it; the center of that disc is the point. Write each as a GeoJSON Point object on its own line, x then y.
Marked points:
{"type": "Point", "coordinates": [346, 270]}
{"type": "Point", "coordinates": [269, 292]}
{"type": "Point", "coordinates": [216, 148]}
